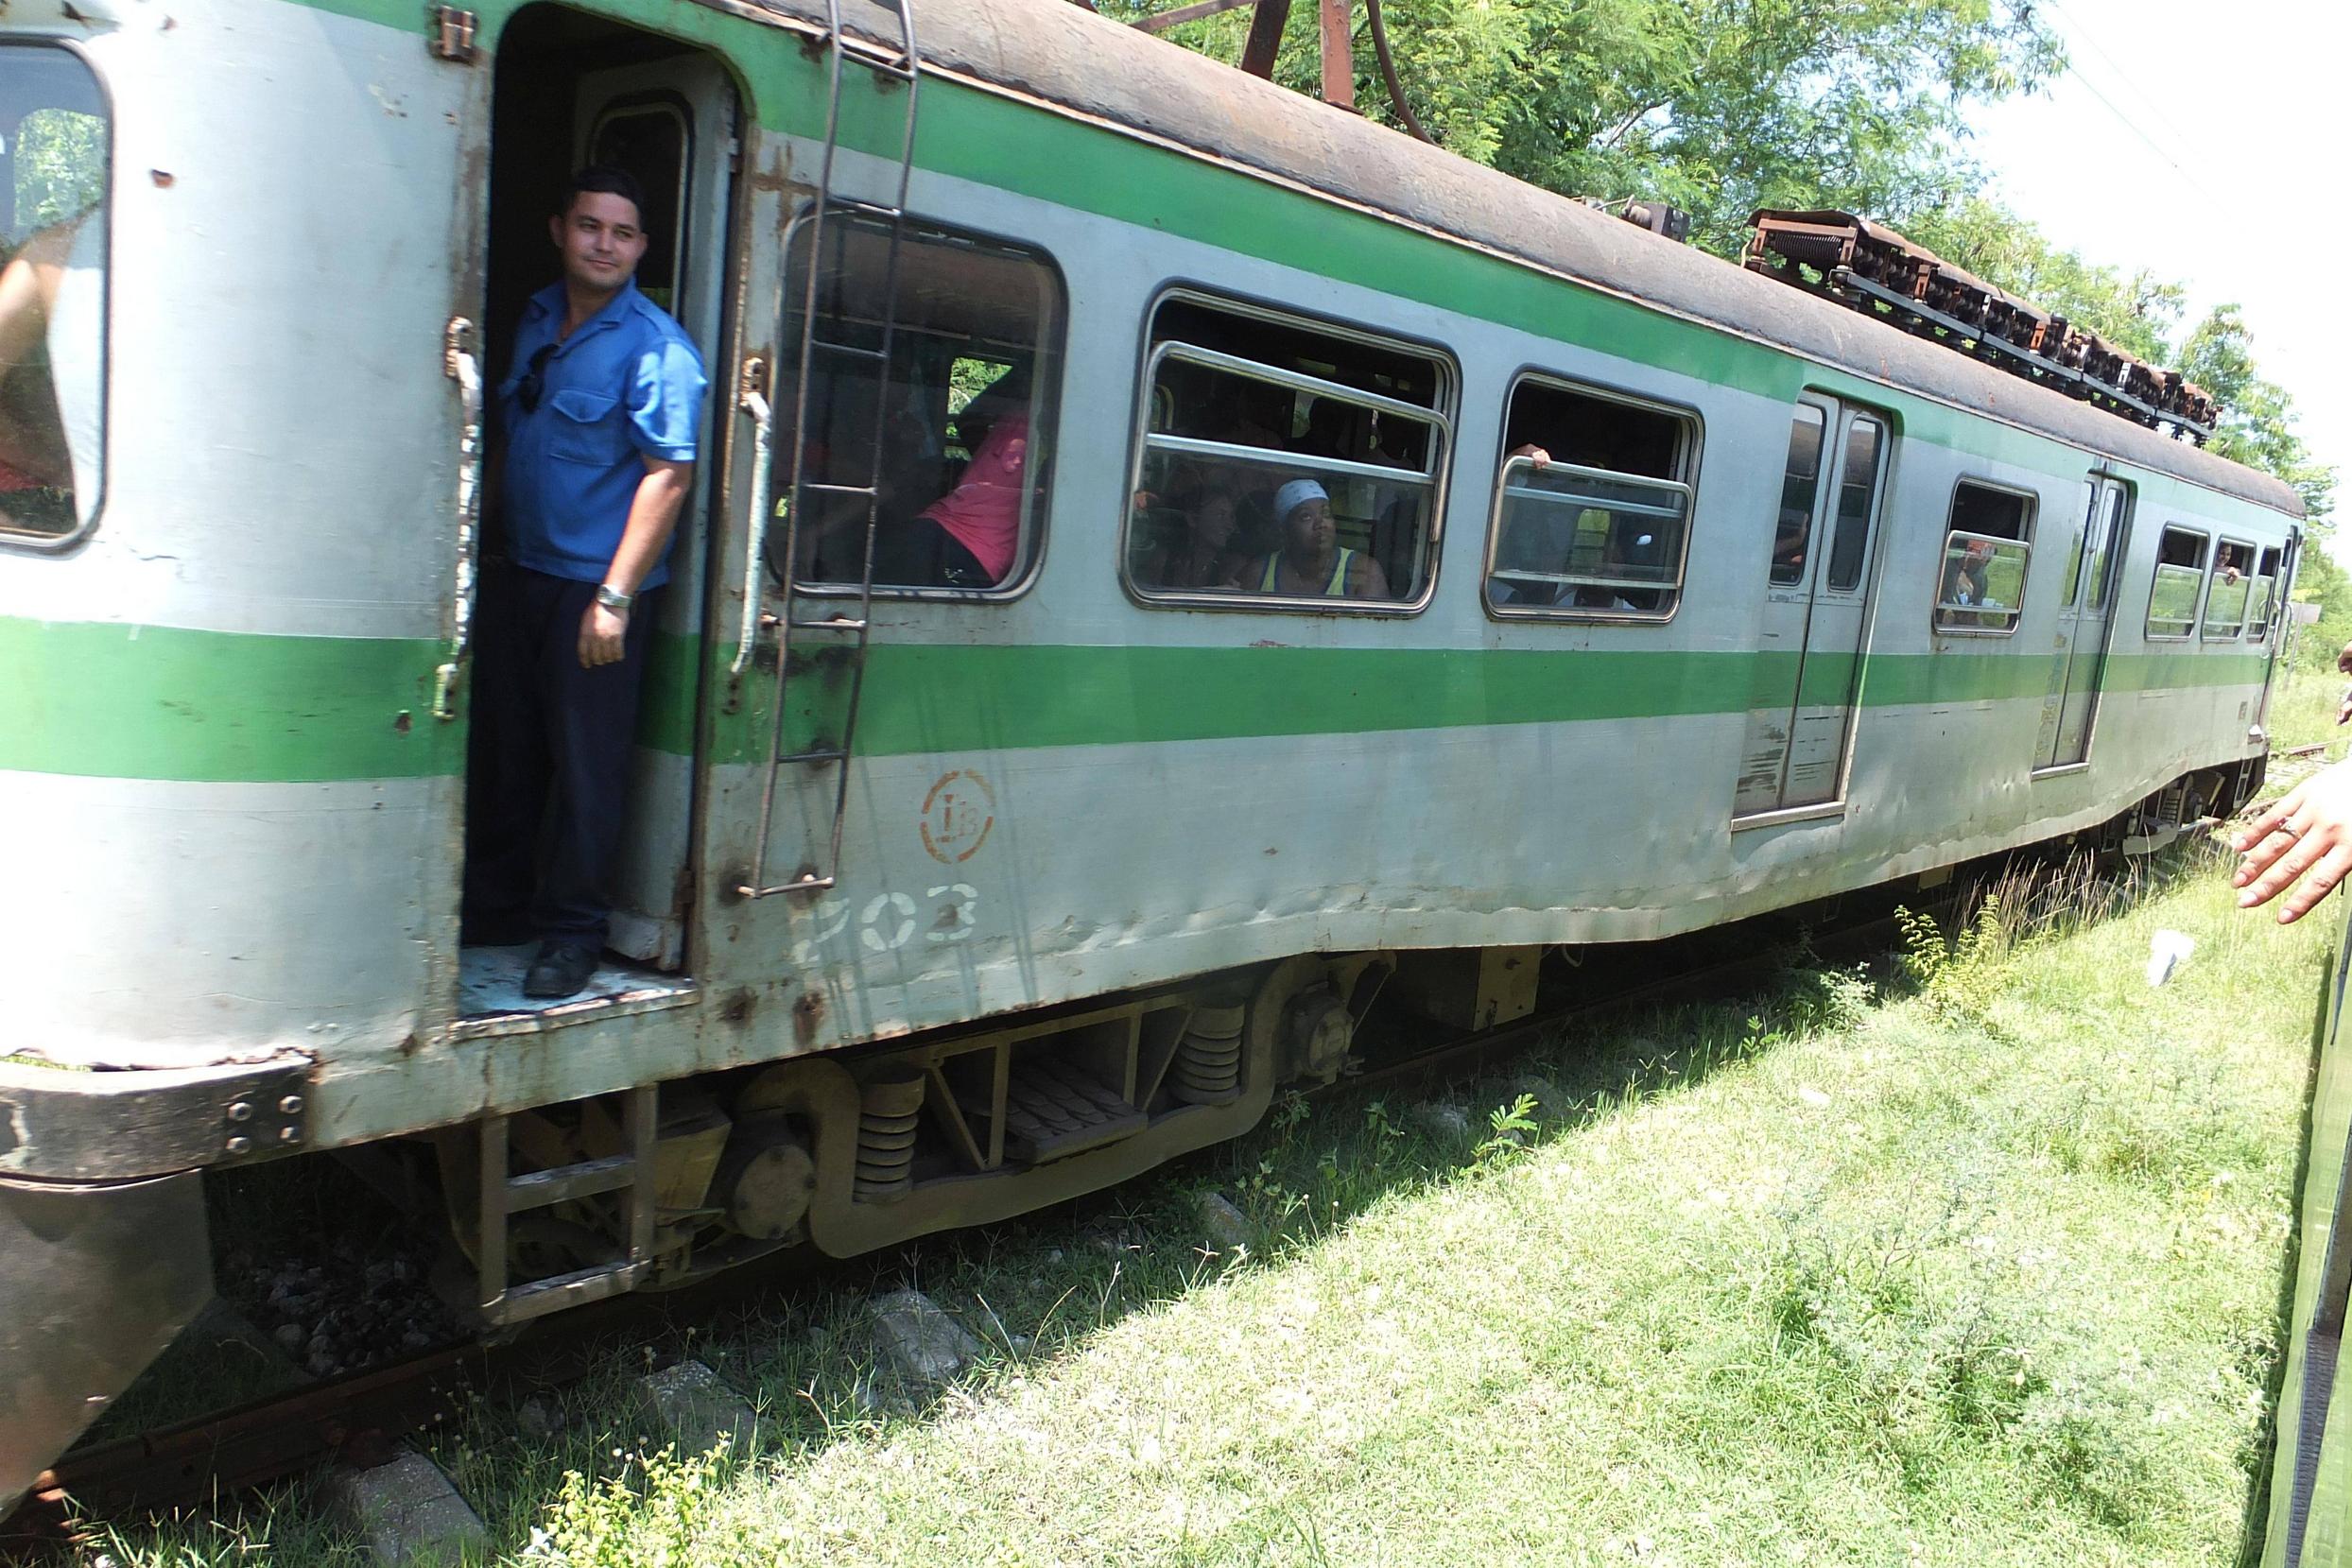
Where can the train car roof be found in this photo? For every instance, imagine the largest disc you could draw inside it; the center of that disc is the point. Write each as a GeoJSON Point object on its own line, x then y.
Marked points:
{"type": "Point", "coordinates": [1066, 56]}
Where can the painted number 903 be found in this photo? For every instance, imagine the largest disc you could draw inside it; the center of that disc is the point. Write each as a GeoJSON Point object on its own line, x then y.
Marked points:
{"type": "Point", "coordinates": [889, 922]}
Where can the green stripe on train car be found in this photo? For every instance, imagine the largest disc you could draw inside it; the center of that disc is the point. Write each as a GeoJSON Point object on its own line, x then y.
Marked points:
{"type": "Point", "coordinates": [161, 703]}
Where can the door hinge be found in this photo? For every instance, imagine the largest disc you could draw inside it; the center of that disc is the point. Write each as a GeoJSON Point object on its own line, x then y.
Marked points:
{"type": "Point", "coordinates": [452, 34]}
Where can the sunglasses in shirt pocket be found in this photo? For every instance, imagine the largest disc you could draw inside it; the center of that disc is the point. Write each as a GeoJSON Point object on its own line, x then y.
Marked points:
{"type": "Point", "coordinates": [585, 429]}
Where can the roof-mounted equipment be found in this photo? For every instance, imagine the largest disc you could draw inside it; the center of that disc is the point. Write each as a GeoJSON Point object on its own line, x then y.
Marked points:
{"type": "Point", "coordinates": [1871, 269]}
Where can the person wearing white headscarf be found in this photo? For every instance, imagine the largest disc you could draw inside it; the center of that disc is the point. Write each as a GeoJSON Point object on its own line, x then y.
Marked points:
{"type": "Point", "coordinates": [1312, 563]}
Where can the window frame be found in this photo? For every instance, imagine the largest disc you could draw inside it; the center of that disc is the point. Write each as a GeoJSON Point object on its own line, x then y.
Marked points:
{"type": "Point", "coordinates": [2245, 609]}
{"type": "Point", "coordinates": [1686, 479]}
{"type": "Point", "coordinates": [2026, 541]}
{"type": "Point", "coordinates": [674, 104]}
{"type": "Point", "coordinates": [1031, 561]}
{"type": "Point", "coordinates": [2205, 574]}
{"type": "Point", "coordinates": [2271, 595]}
{"type": "Point", "coordinates": [32, 543]}
{"type": "Point", "coordinates": [1151, 356]}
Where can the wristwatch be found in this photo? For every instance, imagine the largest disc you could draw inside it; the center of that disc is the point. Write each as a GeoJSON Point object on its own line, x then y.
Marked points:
{"type": "Point", "coordinates": [613, 599]}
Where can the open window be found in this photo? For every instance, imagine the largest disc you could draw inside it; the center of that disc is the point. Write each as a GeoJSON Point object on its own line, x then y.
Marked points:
{"type": "Point", "coordinates": [1592, 516]}
{"type": "Point", "coordinates": [1284, 463]}
{"type": "Point", "coordinates": [931, 378]}
{"type": "Point", "coordinates": [1987, 547]}
{"type": "Point", "coordinates": [2179, 583]}
{"type": "Point", "coordinates": [2231, 590]}
{"type": "Point", "coordinates": [2262, 601]}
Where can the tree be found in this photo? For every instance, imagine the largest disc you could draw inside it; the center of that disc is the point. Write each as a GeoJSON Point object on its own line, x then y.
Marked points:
{"type": "Point", "coordinates": [2142, 314]}
{"type": "Point", "coordinates": [1725, 106]}
{"type": "Point", "coordinates": [1717, 106]}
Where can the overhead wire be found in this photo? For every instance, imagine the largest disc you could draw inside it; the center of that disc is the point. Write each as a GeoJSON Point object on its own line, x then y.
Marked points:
{"type": "Point", "coordinates": [2075, 29]}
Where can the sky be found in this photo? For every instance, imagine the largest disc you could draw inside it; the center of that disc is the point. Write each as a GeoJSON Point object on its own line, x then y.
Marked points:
{"type": "Point", "coordinates": [2211, 144]}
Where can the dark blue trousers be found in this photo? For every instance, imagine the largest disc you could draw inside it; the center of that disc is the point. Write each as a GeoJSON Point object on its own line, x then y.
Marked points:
{"type": "Point", "coordinates": [547, 771]}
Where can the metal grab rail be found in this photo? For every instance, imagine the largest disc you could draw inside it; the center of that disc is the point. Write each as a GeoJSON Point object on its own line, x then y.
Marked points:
{"type": "Point", "coordinates": [752, 401]}
{"type": "Point", "coordinates": [460, 365]}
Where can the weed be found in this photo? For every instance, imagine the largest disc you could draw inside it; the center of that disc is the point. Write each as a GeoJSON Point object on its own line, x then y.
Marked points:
{"type": "Point", "coordinates": [645, 1517]}
{"type": "Point", "coordinates": [1958, 978]}
{"type": "Point", "coordinates": [1511, 1126]}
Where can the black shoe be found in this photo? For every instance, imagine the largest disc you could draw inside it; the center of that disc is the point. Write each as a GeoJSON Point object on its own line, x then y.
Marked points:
{"type": "Point", "coordinates": [560, 970]}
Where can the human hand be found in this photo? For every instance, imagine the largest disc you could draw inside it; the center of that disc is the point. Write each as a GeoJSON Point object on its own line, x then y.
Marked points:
{"type": "Point", "coordinates": [600, 634]}
{"type": "Point", "coordinates": [2344, 709]}
{"type": "Point", "coordinates": [2305, 833]}
{"type": "Point", "coordinates": [2343, 660]}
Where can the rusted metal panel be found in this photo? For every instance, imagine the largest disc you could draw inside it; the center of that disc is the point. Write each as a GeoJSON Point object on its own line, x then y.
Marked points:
{"type": "Point", "coordinates": [112, 1126]}
{"type": "Point", "coordinates": [1874, 269]}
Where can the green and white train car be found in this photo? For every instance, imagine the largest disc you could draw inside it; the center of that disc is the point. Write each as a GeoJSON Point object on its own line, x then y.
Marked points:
{"type": "Point", "coordinates": [1802, 604]}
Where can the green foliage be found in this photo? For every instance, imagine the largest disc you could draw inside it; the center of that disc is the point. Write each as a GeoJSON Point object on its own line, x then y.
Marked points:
{"type": "Point", "coordinates": [1717, 106]}
{"type": "Point", "coordinates": [60, 168]}
{"type": "Point", "coordinates": [2319, 580]}
{"type": "Point", "coordinates": [1511, 1126]}
{"type": "Point", "coordinates": [1957, 978]}
{"type": "Point", "coordinates": [645, 1517]}
{"type": "Point", "coordinates": [2141, 313]}
{"type": "Point", "coordinates": [2257, 417]}
{"type": "Point", "coordinates": [1725, 106]}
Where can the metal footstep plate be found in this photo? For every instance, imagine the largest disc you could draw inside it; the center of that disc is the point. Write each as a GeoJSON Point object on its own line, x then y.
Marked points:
{"type": "Point", "coordinates": [1053, 1111]}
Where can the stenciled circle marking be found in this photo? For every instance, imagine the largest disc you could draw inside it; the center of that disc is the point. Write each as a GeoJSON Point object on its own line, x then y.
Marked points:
{"type": "Point", "coordinates": [957, 814]}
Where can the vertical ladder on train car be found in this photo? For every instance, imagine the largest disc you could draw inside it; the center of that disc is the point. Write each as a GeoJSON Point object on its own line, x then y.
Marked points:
{"type": "Point", "coordinates": [849, 632]}
{"type": "Point", "coordinates": [503, 1196]}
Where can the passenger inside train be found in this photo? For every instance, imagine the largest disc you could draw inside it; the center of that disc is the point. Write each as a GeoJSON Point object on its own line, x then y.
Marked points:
{"type": "Point", "coordinates": [1246, 408]}
{"type": "Point", "coordinates": [1595, 504]}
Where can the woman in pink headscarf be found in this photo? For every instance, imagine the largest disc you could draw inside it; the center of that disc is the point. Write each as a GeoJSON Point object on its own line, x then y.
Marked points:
{"type": "Point", "coordinates": [970, 537]}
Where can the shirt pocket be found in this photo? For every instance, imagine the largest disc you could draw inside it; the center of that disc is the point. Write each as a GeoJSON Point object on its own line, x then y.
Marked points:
{"type": "Point", "coordinates": [585, 429]}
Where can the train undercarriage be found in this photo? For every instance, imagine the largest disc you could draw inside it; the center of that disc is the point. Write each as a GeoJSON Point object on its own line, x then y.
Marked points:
{"type": "Point", "coordinates": [841, 1153]}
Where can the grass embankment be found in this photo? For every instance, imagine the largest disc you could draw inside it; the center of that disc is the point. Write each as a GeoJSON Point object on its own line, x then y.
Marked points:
{"type": "Point", "coordinates": [1981, 1273]}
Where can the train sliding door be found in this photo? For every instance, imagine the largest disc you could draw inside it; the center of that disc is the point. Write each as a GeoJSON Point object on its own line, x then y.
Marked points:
{"type": "Point", "coordinates": [1817, 591]}
{"type": "Point", "coordinates": [2085, 620]}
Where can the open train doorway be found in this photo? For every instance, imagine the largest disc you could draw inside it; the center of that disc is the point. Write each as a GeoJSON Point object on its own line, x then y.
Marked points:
{"type": "Point", "coordinates": [574, 91]}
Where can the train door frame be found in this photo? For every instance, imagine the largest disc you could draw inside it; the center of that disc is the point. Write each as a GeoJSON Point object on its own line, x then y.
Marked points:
{"type": "Point", "coordinates": [1822, 617]}
{"type": "Point", "coordinates": [2112, 527]}
{"type": "Point", "coordinates": [562, 68]}
{"type": "Point", "coordinates": [2290, 553]}
{"type": "Point", "coordinates": [652, 906]}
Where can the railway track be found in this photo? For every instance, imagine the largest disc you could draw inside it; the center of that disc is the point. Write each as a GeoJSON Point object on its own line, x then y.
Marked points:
{"type": "Point", "coordinates": [361, 1418]}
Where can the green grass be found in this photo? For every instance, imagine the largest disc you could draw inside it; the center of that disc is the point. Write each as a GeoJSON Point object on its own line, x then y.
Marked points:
{"type": "Point", "coordinates": [1979, 1267]}
{"type": "Point", "coordinates": [2304, 706]}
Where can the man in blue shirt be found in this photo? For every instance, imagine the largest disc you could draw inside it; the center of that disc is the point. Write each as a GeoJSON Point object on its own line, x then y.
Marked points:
{"type": "Point", "coordinates": [600, 412]}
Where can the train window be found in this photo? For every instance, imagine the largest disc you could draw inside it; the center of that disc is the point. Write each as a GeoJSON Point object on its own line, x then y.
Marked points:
{"type": "Point", "coordinates": [1592, 517]}
{"type": "Point", "coordinates": [952, 426]}
{"type": "Point", "coordinates": [2179, 580]}
{"type": "Point", "coordinates": [53, 244]}
{"type": "Point", "coordinates": [1798, 483]}
{"type": "Point", "coordinates": [1858, 483]}
{"type": "Point", "coordinates": [2261, 602]}
{"type": "Point", "coordinates": [2231, 589]}
{"type": "Point", "coordinates": [1985, 554]}
{"type": "Point", "coordinates": [1284, 463]}
{"type": "Point", "coordinates": [653, 139]}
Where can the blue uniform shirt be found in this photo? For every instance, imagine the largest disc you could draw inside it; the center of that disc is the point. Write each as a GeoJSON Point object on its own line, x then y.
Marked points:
{"type": "Point", "coordinates": [628, 382]}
